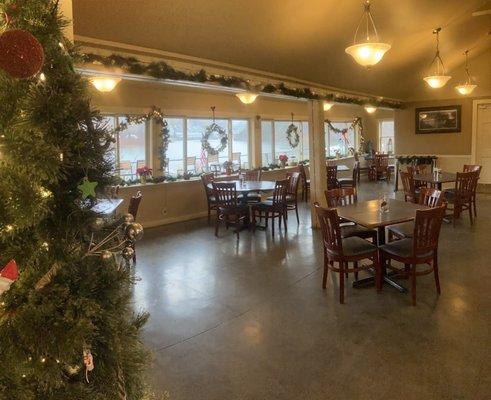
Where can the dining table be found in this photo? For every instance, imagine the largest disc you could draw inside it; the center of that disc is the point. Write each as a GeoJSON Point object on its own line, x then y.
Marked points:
{"type": "Point", "coordinates": [246, 187]}
{"type": "Point", "coordinates": [369, 215]}
{"type": "Point", "coordinates": [341, 167]}
{"type": "Point", "coordinates": [436, 179]}
{"type": "Point", "coordinates": [106, 207]}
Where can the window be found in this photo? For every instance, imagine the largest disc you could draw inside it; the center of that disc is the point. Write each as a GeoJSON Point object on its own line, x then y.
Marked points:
{"type": "Point", "coordinates": [386, 136]}
{"type": "Point", "coordinates": [240, 142]}
{"type": "Point", "coordinates": [274, 141]}
{"type": "Point", "coordinates": [129, 152]}
{"type": "Point", "coordinates": [336, 142]}
{"type": "Point", "coordinates": [175, 150]}
{"type": "Point", "coordinates": [196, 157]}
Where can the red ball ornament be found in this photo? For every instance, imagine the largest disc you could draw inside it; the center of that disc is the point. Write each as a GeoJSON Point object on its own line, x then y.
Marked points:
{"type": "Point", "coordinates": [21, 54]}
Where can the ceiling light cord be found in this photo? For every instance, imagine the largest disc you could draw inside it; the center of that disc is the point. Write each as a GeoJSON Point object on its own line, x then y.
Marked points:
{"type": "Point", "coordinates": [369, 20]}
{"type": "Point", "coordinates": [437, 57]}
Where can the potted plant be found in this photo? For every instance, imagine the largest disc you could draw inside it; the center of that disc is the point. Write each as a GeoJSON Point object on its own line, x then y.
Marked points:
{"type": "Point", "coordinates": [283, 160]}
{"type": "Point", "coordinates": [144, 173]}
{"type": "Point", "coordinates": [227, 166]}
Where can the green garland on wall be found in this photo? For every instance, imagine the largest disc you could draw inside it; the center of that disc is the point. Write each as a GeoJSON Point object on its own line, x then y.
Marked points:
{"type": "Point", "coordinates": [162, 70]}
{"type": "Point", "coordinates": [416, 159]}
{"type": "Point", "coordinates": [157, 115]}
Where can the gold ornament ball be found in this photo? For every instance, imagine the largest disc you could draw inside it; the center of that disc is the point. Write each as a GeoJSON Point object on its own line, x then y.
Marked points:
{"type": "Point", "coordinates": [97, 224]}
{"type": "Point", "coordinates": [127, 253]}
{"type": "Point", "coordinates": [134, 231]}
{"type": "Point", "coordinates": [106, 255]}
{"type": "Point", "coordinates": [128, 218]}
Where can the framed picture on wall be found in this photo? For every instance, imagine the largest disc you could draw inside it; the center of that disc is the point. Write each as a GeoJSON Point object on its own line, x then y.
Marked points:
{"type": "Point", "coordinates": [438, 119]}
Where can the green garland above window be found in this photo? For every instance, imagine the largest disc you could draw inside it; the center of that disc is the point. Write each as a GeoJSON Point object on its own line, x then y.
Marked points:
{"type": "Point", "coordinates": [357, 123]}
{"type": "Point", "coordinates": [157, 115]}
{"type": "Point", "coordinates": [162, 70]}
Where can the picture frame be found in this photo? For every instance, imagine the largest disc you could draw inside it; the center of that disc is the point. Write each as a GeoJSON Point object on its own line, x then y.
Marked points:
{"type": "Point", "coordinates": [444, 119]}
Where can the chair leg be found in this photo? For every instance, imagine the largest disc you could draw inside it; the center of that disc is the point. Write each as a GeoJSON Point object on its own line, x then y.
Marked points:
{"type": "Point", "coordinates": [379, 261]}
{"type": "Point", "coordinates": [326, 270]}
{"type": "Point", "coordinates": [435, 271]}
{"type": "Point", "coordinates": [341, 282]}
{"type": "Point", "coordinates": [355, 265]}
{"type": "Point", "coordinates": [272, 223]}
{"type": "Point", "coordinates": [217, 223]}
{"type": "Point", "coordinates": [134, 254]}
{"type": "Point", "coordinates": [413, 283]}
{"type": "Point", "coordinates": [296, 212]}
{"type": "Point", "coordinates": [209, 214]}
{"type": "Point", "coordinates": [474, 206]}
{"type": "Point", "coordinates": [471, 214]}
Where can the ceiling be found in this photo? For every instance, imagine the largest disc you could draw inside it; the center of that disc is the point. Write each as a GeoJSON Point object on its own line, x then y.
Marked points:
{"type": "Point", "coordinates": [305, 39]}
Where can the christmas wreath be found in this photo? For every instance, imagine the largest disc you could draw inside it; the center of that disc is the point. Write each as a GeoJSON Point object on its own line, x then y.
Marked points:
{"type": "Point", "coordinates": [222, 135]}
{"type": "Point", "coordinates": [292, 135]}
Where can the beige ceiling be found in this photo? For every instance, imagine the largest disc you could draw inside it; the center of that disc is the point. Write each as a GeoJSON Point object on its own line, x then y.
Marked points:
{"type": "Point", "coordinates": [304, 38]}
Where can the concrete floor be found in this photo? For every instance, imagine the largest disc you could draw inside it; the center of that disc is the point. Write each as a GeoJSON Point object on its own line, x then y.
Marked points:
{"type": "Point", "coordinates": [249, 320]}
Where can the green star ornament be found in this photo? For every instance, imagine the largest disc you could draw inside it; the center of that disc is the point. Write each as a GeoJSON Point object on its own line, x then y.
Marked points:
{"type": "Point", "coordinates": [87, 188]}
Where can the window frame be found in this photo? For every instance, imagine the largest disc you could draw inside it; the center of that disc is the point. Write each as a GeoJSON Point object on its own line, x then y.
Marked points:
{"type": "Point", "coordinates": [327, 135]}
{"type": "Point", "coordinates": [380, 122]}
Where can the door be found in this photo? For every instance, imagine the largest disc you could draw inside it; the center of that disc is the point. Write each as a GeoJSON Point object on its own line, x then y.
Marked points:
{"type": "Point", "coordinates": [483, 141]}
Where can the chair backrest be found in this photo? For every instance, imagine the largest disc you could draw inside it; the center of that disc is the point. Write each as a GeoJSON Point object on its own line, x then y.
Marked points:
{"type": "Point", "coordinates": [252, 175]}
{"type": "Point", "coordinates": [427, 230]}
{"type": "Point", "coordinates": [340, 197]}
{"type": "Point", "coordinates": [408, 183]}
{"type": "Point", "coordinates": [280, 191]}
{"type": "Point", "coordinates": [465, 183]}
{"type": "Point", "coordinates": [135, 204]}
{"type": "Point", "coordinates": [331, 232]}
{"type": "Point", "coordinates": [236, 157]}
{"type": "Point", "coordinates": [294, 179]}
{"type": "Point", "coordinates": [141, 164]}
{"type": "Point", "coordinates": [303, 172]}
{"type": "Point", "coordinates": [356, 169]}
{"type": "Point", "coordinates": [473, 168]}
{"type": "Point", "coordinates": [206, 179]}
{"type": "Point", "coordinates": [225, 193]}
{"type": "Point", "coordinates": [332, 176]}
{"type": "Point", "coordinates": [431, 197]}
{"type": "Point", "coordinates": [381, 161]}
{"type": "Point", "coordinates": [125, 166]}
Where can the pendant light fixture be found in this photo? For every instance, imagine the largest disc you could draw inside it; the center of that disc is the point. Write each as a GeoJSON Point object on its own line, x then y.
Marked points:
{"type": "Point", "coordinates": [468, 86]}
{"type": "Point", "coordinates": [437, 79]}
{"type": "Point", "coordinates": [370, 51]}
{"type": "Point", "coordinates": [370, 109]}
{"type": "Point", "coordinates": [247, 97]}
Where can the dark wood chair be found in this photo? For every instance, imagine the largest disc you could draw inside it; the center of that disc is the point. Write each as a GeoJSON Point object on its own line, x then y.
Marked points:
{"type": "Point", "coordinates": [474, 168]}
{"type": "Point", "coordinates": [332, 177]}
{"type": "Point", "coordinates": [255, 176]}
{"type": "Point", "coordinates": [410, 193]}
{"type": "Point", "coordinates": [343, 250]}
{"type": "Point", "coordinates": [380, 168]}
{"type": "Point", "coordinates": [133, 210]}
{"type": "Point", "coordinates": [274, 208]}
{"type": "Point", "coordinates": [207, 179]}
{"type": "Point", "coordinates": [292, 193]}
{"type": "Point", "coordinates": [461, 196]}
{"type": "Point", "coordinates": [342, 197]}
{"type": "Point", "coordinates": [351, 182]}
{"type": "Point", "coordinates": [419, 169]}
{"type": "Point", "coordinates": [430, 197]}
{"type": "Point", "coordinates": [421, 249]}
{"type": "Point", "coordinates": [229, 209]}
{"type": "Point", "coordinates": [305, 182]}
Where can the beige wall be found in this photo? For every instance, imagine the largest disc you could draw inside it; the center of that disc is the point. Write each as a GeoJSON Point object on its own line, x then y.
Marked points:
{"type": "Point", "coordinates": [407, 142]}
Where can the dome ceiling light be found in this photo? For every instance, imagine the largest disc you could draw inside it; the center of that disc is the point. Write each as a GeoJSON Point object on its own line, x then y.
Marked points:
{"type": "Point", "coordinates": [468, 86]}
{"type": "Point", "coordinates": [368, 52]}
{"type": "Point", "coordinates": [370, 109]}
{"type": "Point", "coordinates": [437, 78]}
{"type": "Point", "coordinates": [247, 97]}
{"type": "Point", "coordinates": [104, 84]}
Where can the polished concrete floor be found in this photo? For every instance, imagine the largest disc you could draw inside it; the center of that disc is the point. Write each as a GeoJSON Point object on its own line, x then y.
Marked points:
{"type": "Point", "coordinates": [249, 319]}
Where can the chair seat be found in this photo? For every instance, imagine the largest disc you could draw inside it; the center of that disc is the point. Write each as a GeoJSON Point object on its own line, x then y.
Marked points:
{"type": "Point", "coordinates": [402, 248]}
{"type": "Point", "coordinates": [405, 230]}
{"type": "Point", "coordinates": [357, 230]}
{"type": "Point", "coordinates": [290, 198]}
{"type": "Point", "coordinates": [356, 246]}
{"type": "Point", "coordinates": [266, 205]}
{"type": "Point", "coordinates": [239, 209]}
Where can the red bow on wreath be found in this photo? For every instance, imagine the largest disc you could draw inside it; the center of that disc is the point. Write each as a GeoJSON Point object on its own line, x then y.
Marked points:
{"type": "Point", "coordinates": [344, 136]}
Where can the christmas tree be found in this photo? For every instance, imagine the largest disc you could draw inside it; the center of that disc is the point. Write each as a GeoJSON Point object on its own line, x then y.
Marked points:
{"type": "Point", "coordinates": [64, 303]}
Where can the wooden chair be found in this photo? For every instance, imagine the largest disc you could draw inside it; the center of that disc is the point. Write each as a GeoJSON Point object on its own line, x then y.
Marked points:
{"type": "Point", "coordinates": [422, 248]}
{"type": "Point", "coordinates": [253, 175]}
{"type": "Point", "coordinates": [343, 250]}
{"type": "Point", "coordinates": [332, 177]}
{"type": "Point", "coordinates": [228, 208]}
{"type": "Point", "coordinates": [133, 210]}
{"type": "Point", "coordinates": [191, 164]}
{"type": "Point", "coordinates": [351, 182]}
{"type": "Point", "coordinates": [211, 203]}
{"type": "Point", "coordinates": [461, 196]}
{"type": "Point", "coordinates": [410, 193]}
{"type": "Point", "coordinates": [274, 208]}
{"type": "Point", "coordinates": [292, 193]}
{"type": "Point", "coordinates": [236, 160]}
{"type": "Point", "coordinates": [430, 197]}
{"type": "Point", "coordinates": [213, 163]}
{"type": "Point", "coordinates": [305, 182]}
{"type": "Point", "coordinates": [380, 168]}
{"type": "Point", "coordinates": [126, 169]}
{"type": "Point", "coordinates": [343, 197]}
{"type": "Point", "coordinates": [474, 168]}
{"type": "Point", "coordinates": [140, 164]}
{"type": "Point", "coordinates": [418, 169]}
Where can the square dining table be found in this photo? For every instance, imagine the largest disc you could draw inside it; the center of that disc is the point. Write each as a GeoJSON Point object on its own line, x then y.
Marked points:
{"type": "Point", "coordinates": [369, 215]}
{"type": "Point", "coordinates": [436, 180]}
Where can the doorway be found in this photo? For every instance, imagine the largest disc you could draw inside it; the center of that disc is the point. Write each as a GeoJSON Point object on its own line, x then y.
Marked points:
{"type": "Point", "coordinates": [481, 138]}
